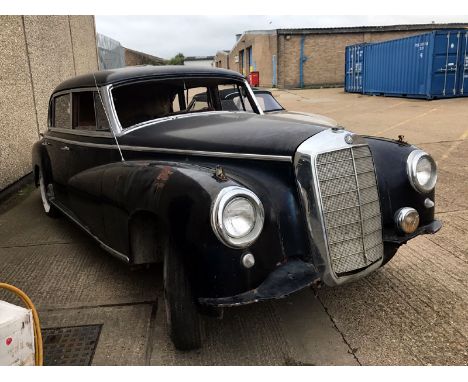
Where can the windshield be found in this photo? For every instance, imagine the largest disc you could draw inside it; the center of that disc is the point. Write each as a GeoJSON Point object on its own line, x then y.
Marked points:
{"type": "Point", "coordinates": [144, 101]}
{"type": "Point", "coordinates": [266, 101]}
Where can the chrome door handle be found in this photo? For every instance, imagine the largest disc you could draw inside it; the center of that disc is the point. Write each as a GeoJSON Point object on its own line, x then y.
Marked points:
{"type": "Point", "coordinates": [65, 148]}
{"type": "Point", "coordinates": [45, 143]}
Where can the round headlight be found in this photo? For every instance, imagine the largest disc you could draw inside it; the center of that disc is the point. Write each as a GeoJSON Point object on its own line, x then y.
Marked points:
{"type": "Point", "coordinates": [422, 171]}
{"type": "Point", "coordinates": [237, 217]}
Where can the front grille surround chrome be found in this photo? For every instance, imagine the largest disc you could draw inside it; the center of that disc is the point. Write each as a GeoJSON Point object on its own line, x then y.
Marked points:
{"type": "Point", "coordinates": [331, 143]}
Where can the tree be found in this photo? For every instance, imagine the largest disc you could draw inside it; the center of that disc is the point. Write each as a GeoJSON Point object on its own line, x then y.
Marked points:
{"type": "Point", "coordinates": [178, 59]}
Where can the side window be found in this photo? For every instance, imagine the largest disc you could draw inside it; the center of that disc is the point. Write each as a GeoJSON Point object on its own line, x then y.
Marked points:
{"type": "Point", "coordinates": [102, 123]}
{"type": "Point", "coordinates": [88, 112]}
{"type": "Point", "coordinates": [62, 111]}
{"type": "Point", "coordinates": [238, 102]}
{"type": "Point", "coordinates": [84, 117]}
{"type": "Point", "coordinates": [199, 105]}
{"type": "Point", "coordinates": [200, 98]}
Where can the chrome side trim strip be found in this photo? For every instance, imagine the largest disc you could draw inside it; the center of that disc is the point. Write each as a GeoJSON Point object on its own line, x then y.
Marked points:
{"type": "Point", "coordinates": [218, 154]}
{"type": "Point", "coordinates": [84, 133]}
{"type": "Point", "coordinates": [108, 249]}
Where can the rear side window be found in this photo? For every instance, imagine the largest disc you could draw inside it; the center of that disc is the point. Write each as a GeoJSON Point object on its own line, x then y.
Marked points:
{"type": "Point", "coordinates": [88, 112]}
{"type": "Point", "coordinates": [84, 117]}
{"type": "Point", "coordinates": [62, 111]}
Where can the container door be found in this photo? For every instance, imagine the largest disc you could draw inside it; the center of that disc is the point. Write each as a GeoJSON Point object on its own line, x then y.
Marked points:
{"type": "Point", "coordinates": [446, 70]}
{"type": "Point", "coordinates": [348, 69]}
{"type": "Point", "coordinates": [463, 76]}
{"type": "Point", "coordinates": [354, 58]}
{"type": "Point", "coordinates": [358, 68]}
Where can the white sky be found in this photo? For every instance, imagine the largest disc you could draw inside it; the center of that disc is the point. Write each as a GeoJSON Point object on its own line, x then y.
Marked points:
{"type": "Point", "coordinates": [165, 36]}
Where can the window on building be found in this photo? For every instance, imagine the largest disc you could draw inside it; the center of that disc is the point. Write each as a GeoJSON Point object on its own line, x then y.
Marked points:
{"type": "Point", "coordinates": [241, 62]}
{"type": "Point", "coordinates": [62, 111]}
{"type": "Point", "coordinates": [249, 60]}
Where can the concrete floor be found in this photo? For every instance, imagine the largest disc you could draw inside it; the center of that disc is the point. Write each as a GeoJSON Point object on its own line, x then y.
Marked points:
{"type": "Point", "coordinates": [414, 311]}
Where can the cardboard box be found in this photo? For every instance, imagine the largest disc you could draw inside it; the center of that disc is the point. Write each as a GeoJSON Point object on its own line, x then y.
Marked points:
{"type": "Point", "coordinates": [16, 335]}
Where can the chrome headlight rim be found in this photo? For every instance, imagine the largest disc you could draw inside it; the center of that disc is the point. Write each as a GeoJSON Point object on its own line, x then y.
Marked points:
{"type": "Point", "coordinates": [224, 197]}
{"type": "Point", "coordinates": [411, 168]}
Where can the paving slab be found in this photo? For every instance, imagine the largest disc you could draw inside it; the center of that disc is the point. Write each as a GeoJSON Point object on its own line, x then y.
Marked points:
{"type": "Point", "coordinates": [294, 331]}
{"type": "Point", "coordinates": [70, 270]}
{"type": "Point", "coordinates": [125, 333]}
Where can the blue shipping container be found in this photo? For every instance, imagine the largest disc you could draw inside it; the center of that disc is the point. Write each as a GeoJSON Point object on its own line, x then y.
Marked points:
{"type": "Point", "coordinates": [431, 65]}
{"type": "Point", "coordinates": [353, 68]}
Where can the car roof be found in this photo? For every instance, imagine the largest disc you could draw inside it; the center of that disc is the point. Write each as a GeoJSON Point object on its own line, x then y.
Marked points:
{"type": "Point", "coordinates": [129, 73]}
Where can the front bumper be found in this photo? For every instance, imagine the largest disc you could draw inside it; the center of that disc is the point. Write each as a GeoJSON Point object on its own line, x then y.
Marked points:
{"type": "Point", "coordinates": [389, 236]}
{"type": "Point", "coordinates": [291, 276]}
{"type": "Point", "coordinates": [295, 274]}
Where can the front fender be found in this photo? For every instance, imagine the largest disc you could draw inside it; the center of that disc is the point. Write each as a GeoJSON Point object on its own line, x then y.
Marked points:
{"type": "Point", "coordinates": [394, 187]}
{"type": "Point", "coordinates": [181, 196]}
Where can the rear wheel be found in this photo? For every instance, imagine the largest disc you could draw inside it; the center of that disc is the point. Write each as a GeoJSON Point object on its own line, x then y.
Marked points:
{"type": "Point", "coordinates": [183, 319]}
{"type": "Point", "coordinates": [46, 193]}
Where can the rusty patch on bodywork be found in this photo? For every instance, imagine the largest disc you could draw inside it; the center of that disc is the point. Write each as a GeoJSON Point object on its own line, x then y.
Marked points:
{"type": "Point", "coordinates": [163, 176]}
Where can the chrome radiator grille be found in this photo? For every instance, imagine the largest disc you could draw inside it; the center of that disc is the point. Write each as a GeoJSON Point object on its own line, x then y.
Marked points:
{"type": "Point", "coordinates": [351, 208]}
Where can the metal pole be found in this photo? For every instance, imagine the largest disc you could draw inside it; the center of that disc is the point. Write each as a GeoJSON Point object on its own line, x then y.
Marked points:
{"type": "Point", "coordinates": [301, 63]}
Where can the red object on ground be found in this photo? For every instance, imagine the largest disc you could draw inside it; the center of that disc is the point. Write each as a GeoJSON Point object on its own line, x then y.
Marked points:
{"type": "Point", "coordinates": [254, 79]}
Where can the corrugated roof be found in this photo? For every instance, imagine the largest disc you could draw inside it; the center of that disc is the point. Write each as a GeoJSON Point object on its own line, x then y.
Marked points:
{"type": "Point", "coordinates": [361, 29]}
{"type": "Point", "coordinates": [375, 28]}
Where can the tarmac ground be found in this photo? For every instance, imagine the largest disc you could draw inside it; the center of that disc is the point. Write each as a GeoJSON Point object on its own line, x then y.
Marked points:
{"type": "Point", "coordinates": [413, 311]}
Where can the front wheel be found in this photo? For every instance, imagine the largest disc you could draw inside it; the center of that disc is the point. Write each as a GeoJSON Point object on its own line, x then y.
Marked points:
{"type": "Point", "coordinates": [46, 192]}
{"type": "Point", "coordinates": [183, 319]}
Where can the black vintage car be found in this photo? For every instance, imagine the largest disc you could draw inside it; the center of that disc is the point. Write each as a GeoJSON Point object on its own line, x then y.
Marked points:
{"type": "Point", "coordinates": [240, 206]}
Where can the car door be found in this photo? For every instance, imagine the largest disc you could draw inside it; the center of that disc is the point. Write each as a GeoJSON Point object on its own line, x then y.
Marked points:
{"type": "Point", "coordinates": [57, 149]}
{"type": "Point", "coordinates": [91, 146]}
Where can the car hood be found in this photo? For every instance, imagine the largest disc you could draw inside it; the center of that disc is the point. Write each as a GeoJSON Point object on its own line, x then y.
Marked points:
{"type": "Point", "coordinates": [223, 132]}
{"type": "Point", "coordinates": [305, 117]}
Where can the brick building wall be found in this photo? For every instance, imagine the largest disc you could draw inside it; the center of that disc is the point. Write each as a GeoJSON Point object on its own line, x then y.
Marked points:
{"type": "Point", "coordinates": [324, 51]}
{"type": "Point", "coordinates": [221, 60]}
{"type": "Point", "coordinates": [38, 52]}
{"type": "Point", "coordinates": [133, 57]}
{"type": "Point", "coordinates": [263, 45]}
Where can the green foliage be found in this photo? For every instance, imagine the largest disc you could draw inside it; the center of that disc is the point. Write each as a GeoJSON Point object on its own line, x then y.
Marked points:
{"type": "Point", "coordinates": [178, 59]}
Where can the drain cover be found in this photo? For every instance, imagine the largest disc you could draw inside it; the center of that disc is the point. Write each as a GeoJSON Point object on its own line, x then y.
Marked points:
{"type": "Point", "coordinates": [70, 346]}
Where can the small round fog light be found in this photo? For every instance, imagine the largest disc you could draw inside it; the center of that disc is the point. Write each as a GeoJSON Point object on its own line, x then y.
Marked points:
{"type": "Point", "coordinates": [248, 260]}
{"type": "Point", "coordinates": [407, 219]}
